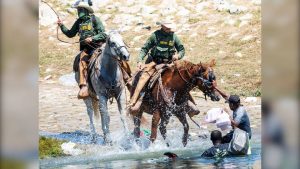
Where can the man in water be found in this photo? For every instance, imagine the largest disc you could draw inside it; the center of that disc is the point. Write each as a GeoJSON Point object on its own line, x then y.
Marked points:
{"type": "Point", "coordinates": [219, 149]}
{"type": "Point", "coordinates": [239, 117]}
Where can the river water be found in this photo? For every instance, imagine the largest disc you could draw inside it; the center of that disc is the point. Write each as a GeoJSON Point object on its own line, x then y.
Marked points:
{"type": "Point", "coordinates": [121, 155]}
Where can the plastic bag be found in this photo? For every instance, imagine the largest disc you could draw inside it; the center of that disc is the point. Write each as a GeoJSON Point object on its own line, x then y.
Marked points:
{"type": "Point", "coordinates": [239, 144]}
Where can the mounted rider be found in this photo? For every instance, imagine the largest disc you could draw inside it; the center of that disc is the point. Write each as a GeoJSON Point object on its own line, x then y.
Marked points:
{"type": "Point", "coordinates": [163, 44]}
{"type": "Point", "coordinates": [92, 35]}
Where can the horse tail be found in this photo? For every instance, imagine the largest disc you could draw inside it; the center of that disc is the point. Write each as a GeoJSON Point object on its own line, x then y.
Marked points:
{"type": "Point", "coordinates": [95, 104]}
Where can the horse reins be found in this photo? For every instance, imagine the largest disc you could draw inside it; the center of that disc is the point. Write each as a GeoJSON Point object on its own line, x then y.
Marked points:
{"type": "Point", "coordinates": [58, 28]}
{"type": "Point", "coordinates": [189, 74]}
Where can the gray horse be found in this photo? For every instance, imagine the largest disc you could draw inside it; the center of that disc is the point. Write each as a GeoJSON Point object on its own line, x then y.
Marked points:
{"type": "Point", "coordinates": [107, 82]}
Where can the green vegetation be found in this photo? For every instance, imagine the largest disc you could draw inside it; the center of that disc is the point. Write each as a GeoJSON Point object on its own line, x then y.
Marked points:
{"type": "Point", "coordinates": [49, 147]}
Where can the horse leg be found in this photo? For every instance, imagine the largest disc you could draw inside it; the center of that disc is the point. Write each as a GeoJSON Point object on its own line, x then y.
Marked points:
{"type": "Point", "coordinates": [163, 127]}
{"type": "Point", "coordinates": [137, 123]}
{"type": "Point", "coordinates": [182, 119]}
{"type": "Point", "coordinates": [155, 121]}
{"type": "Point", "coordinates": [105, 119]}
{"type": "Point", "coordinates": [121, 100]}
{"type": "Point", "coordinates": [90, 111]}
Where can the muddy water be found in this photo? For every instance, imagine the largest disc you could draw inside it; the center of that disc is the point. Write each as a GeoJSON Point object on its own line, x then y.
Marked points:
{"type": "Point", "coordinates": [60, 111]}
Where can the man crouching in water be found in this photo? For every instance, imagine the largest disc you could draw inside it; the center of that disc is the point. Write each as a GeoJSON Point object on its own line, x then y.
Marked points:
{"type": "Point", "coordinates": [219, 149]}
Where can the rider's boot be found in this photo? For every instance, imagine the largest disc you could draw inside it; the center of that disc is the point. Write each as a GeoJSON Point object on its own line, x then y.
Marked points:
{"type": "Point", "coordinates": [83, 92]}
{"type": "Point", "coordinates": [147, 73]}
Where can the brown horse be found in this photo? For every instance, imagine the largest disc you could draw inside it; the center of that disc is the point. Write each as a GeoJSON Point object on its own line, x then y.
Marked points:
{"type": "Point", "coordinates": [170, 96]}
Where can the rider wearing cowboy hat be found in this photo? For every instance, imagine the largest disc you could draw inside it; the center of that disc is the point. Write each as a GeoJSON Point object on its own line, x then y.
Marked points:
{"type": "Point", "coordinates": [162, 44]}
{"type": "Point", "coordinates": [91, 33]}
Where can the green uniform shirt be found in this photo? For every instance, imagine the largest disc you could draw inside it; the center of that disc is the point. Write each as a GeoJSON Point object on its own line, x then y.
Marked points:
{"type": "Point", "coordinates": [160, 41]}
{"type": "Point", "coordinates": [89, 26]}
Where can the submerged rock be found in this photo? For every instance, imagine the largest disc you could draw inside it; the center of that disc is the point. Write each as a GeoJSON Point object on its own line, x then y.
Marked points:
{"type": "Point", "coordinates": [69, 148]}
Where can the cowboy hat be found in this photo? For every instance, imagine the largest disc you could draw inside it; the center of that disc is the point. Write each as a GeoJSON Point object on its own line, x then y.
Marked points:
{"type": "Point", "coordinates": [85, 5]}
{"type": "Point", "coordinates": [169, 24]}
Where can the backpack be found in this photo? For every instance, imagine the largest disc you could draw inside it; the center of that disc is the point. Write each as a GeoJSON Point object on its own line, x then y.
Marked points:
{"type": "Point", "coordinates": [239, 143]}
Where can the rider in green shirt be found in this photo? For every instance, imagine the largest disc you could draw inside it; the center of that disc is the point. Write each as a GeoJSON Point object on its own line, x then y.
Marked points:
{"type": "Point", "coordinates": [91, 32]}
{"type": "Point", "coordinates": [162, 45]}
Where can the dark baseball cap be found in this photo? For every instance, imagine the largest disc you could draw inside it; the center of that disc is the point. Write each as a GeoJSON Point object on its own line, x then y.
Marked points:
{"type": "Point", "coordinates": [234, 99]}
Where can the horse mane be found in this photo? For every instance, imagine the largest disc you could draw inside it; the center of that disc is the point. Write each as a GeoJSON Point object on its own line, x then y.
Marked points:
{"type": "Point", "coordinates": [183, 64]}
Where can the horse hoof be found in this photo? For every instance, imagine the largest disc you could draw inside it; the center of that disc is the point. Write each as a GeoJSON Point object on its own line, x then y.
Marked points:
{"type": "Point", "coordinates": [107, 141]}
{"type": "Point", "coordinates": [93, 139]}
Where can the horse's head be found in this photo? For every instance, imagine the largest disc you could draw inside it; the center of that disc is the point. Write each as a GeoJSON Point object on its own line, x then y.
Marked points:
{"type": "Point", "coordinates": [205, 79]}
{"type": "Point", "coordinates": [117, 46]}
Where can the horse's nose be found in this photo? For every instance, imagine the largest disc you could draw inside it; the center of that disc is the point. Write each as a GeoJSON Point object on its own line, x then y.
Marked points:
{"type": "Point", "coordinates": [126, 57]}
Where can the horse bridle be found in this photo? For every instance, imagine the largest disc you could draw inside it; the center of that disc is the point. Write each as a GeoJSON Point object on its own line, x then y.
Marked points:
{"type": "Point", "coordinates": [207, 84]}
{"type": "Point", "coordinates": [115, 47]}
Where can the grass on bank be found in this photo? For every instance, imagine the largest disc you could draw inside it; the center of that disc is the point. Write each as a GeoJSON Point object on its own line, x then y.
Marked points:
{"type": "Point", "coordinates": [49, 147]}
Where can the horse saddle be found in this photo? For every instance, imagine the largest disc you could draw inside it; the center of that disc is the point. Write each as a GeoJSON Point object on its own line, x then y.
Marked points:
{"type": "Point", "coordinates": [153, 79]}
{"type": "Point", "coordinates": [157, 74]}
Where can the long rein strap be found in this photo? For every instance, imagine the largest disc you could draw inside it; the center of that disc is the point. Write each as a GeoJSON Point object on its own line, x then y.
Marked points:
{"type": "Point", "coordinates": [58, 27]}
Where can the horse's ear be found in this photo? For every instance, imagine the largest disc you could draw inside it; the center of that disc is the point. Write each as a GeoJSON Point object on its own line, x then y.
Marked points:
{"type": "Point", "coordinates": [212, 63]}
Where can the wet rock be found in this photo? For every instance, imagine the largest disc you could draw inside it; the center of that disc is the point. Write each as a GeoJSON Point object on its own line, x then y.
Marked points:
{"type": "Point", "coordinates": [68, 148]}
